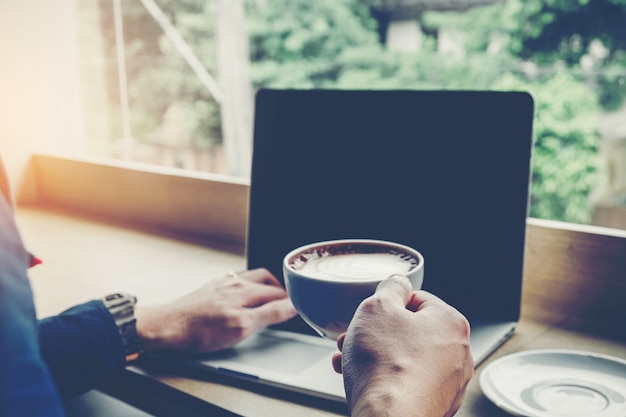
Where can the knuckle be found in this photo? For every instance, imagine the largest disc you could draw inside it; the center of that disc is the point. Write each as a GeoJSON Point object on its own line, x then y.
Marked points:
{"type": "Point", "coordinates": [372, 304]}
{"type": "Point", "coordinates": [236, 284]}
{"type": "Point", "coordinates": [237, 321]}
{"type": "Point", "coordinates": [458, 322]}
{"type": "Point", "coordinates": [465, 327]}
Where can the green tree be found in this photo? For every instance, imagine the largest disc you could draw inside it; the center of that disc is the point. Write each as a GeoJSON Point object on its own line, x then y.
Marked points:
{"type": "Point", "coordinates": [335, 44]}
{"type": "Point", "coordinates": [566, 162]}
{"type": "Point", "coordinates": [290, 49]}
{"type": "Point", "coordinates": [295, 43]}
{"type": "Point", "coordinates": [548, 40]}
{"type": "Point", "coordinates": [157, 74]}
{"type": "Point", "coordinates": [570, 32]}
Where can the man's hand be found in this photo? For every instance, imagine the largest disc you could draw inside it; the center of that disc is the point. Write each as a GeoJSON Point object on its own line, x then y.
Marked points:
{"type": "Point", "coordinates": [216, 316]}
{"type": "Point", "coordinates": [405, 354]}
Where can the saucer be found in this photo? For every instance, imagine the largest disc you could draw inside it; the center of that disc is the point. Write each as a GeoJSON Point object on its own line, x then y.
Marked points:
{"type": "Point", "coordinates": [557, 383]}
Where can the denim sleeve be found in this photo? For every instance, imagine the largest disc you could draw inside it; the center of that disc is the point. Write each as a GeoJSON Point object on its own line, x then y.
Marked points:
{"type": "Point", "coordinates": [26, 386]}
{"type": "Point", "coordinates": [81, 346]}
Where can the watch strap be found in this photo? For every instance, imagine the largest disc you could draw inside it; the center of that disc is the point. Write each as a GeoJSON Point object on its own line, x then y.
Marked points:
{"type": "Point", "coordinates": [122, 308]}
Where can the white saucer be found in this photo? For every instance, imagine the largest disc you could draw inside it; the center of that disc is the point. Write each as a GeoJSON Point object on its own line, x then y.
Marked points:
{"type": "Point", "coordinates": [557, 383]}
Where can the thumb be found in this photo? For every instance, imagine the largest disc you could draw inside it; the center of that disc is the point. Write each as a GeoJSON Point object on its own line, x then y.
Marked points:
{"type": "Point", "coordinates": [397, 287]}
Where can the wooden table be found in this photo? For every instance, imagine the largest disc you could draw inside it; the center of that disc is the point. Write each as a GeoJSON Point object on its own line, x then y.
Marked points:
{"type": "Point", "coordinates": [574, 297]}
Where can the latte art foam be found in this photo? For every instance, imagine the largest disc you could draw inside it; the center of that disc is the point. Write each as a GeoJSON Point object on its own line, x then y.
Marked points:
{"type": "Point", "coordinates": [357, 266]}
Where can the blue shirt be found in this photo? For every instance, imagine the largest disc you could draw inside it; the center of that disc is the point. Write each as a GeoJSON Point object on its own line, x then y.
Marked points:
{"type": "Point", "coordinates": [44, 362]}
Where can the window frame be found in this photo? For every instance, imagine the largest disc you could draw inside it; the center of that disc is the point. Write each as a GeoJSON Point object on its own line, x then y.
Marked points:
{"type": "Point", "coordinates": [207, 207]}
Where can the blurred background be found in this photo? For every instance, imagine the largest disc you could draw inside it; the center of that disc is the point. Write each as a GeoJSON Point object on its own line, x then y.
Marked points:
{"type": "Point", "coordinates": [171, 82]}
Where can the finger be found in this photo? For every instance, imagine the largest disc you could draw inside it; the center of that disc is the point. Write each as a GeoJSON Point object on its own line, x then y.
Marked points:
{"type": "Point", "coordinates": [337, 363]}
{"type": "Point", "coordinates": [253, 294]}
{"type": "Point", "coordinates": [340, 340]}
{"type": "Point", "coordinates": [260, 276]}
{"type": "Point", "coordinates": [421, 299]}
{"type": "Point", "coordinates": [397, 287]}
{"type": "Point", "coordinates": [273, 312]}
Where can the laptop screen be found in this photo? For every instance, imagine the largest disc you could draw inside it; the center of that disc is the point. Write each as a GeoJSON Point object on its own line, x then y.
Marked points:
{"type": "Point", "coordinates": [445, 172]}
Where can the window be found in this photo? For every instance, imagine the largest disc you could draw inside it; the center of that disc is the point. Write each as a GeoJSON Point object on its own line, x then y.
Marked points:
{"type": "Point", "coordinates": [171, 81]}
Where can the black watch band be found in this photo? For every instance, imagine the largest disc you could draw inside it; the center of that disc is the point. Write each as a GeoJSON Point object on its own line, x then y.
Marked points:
{"type": "Point", "coordinates": [122, 307]}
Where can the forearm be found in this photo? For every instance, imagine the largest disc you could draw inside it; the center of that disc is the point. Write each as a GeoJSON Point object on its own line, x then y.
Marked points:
{"type": "Point", "coordinates": [81, 346]}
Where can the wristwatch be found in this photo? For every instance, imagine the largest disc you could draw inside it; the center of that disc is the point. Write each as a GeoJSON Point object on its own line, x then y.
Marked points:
{"type": "Point", "coordinates": [122, 308]}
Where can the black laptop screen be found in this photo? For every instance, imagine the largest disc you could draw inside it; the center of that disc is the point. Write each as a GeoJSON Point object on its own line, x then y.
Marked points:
{"type": "Point", "coordinates": [446, 172]}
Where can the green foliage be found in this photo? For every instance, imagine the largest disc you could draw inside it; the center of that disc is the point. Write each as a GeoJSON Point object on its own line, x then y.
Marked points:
{"type": "Point", "coordinates": [479, 26]}
{"type": "Point", "coordinates": [298, 43]}
{"type": "Point", "coordinates": [347, 54]}
{"type": "Point", "coordinates": [566, 163]}
{"type": "Point", "coordinates": [158, 77]}
{"type": "Point", "coordinates": [335, 44]}
{"type": "Point", "coordinates": [566, 31]}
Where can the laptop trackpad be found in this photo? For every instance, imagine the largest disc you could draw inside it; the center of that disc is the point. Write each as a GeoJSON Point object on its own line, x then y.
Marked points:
{"type": "Point", "coordinates": [273, 352]}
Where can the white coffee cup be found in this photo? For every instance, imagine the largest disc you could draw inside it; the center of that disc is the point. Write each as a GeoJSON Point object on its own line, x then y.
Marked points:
{"type": "Point", "coordinates": [327, 281]}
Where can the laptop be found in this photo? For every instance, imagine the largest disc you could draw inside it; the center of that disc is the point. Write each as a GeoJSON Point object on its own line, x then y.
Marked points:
{"type": "Point", "coordinates": [445, 172]}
